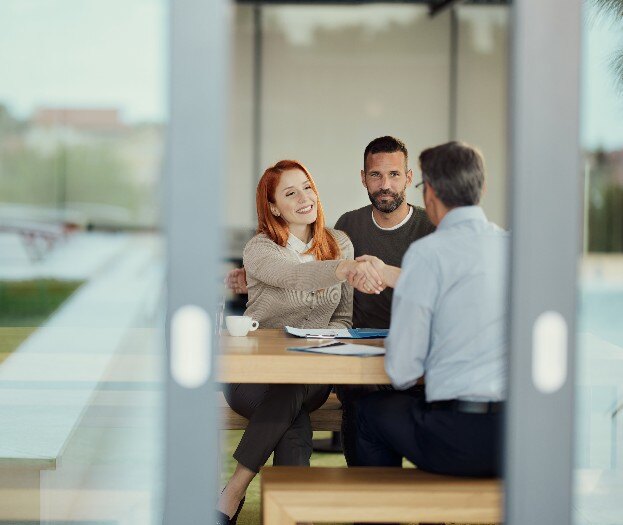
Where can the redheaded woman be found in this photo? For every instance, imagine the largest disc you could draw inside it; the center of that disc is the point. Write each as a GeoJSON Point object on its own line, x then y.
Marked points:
{"type": "Point", "coordinates": [296, 271]}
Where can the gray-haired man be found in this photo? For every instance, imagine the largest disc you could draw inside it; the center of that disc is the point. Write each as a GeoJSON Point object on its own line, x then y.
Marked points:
{"type": "Point", "coordinates": [448, 322]}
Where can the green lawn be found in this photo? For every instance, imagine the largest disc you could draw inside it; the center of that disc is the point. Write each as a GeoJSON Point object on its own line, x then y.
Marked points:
{"type": "Point", "coordinates": [24, 305]}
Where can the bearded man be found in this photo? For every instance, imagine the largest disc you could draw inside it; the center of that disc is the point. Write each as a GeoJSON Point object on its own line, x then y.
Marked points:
{"type": "Point", "coordinates": [388, 226]}
{"type": "Point", "coordinates": [385, 228]}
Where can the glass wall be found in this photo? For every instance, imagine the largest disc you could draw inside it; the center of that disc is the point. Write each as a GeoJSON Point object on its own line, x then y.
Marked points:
{"type": "Point", "coordinates": [332, 78]}
{"type": "Point", "coordinates": [318, 83]}
{"type": "Point", "coordinates": [336, 77]}
{"type": "Point", "coordinates": [82, 118]}
{"type": "Point", "coordinates": [599, 392]}
{"type": "Point", "coordinates": [82, 123]}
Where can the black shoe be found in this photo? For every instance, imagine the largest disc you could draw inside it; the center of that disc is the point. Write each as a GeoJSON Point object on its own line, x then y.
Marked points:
{"type": "Point", "coordinates": [224, 519]}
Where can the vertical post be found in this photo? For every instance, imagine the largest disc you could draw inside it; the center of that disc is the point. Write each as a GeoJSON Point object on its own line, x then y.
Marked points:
{"type": "Point", "coordinates": [546, 187]}
{"type": "Point", "coordinates": [587, 204]}
{"type": "Point", "coordinates": [199, 42]}
{"type": "Point", "coordinates": [257, 94]}
{"type": "Point", "coordinates": [454, 74]}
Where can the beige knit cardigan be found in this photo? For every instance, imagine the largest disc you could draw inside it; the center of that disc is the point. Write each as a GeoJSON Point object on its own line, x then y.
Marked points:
{"type": "Point", "coordinates": [284, 291]}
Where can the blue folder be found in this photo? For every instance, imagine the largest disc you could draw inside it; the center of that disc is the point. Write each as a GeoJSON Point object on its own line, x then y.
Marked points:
{"type": "Point", "coordinates": [337, 333]}
{"type": "Point", "coordinates": [368, 333]}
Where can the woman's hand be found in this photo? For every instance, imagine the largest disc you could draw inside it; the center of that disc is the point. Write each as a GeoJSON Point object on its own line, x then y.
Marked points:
{"type": "Point", "coordinates": [363, 273]}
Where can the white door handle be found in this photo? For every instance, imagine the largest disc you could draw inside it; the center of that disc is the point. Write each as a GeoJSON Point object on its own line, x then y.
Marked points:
{"type": "Point", "coordinates": [549, 352]}
{"type": "Point", "coordinates": [191, 346]}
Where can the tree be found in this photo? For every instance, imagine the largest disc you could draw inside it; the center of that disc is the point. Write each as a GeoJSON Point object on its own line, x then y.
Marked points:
{"type": "Point", "coordinates": [614, 9]}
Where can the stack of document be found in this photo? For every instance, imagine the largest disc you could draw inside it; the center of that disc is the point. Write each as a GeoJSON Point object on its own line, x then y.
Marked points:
{"type": "Point", "coordinates": [337, 333]}
{"type": "Point", "coordinates": [335, 348]}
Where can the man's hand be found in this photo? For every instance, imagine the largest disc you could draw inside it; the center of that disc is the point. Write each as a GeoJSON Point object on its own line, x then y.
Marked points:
{"type": "Point", "coordinates": [379, 265]}
{"type": "Point", "coordinates": [389, 274]}
{"type": "Point", "coordinates": [358, 278]}
{"type": "Point", "coordinates": [236, 281]}
{"type": "Point", "coordinates": [361, 272]}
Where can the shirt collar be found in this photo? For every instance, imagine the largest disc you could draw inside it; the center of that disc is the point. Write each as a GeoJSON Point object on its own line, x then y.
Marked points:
{"type": "Point", "coordinates": [462, 214]}
{"type": "Point", "coordinates": [298, 245]}
{"type": "Point", "coordinates": [400, 224]}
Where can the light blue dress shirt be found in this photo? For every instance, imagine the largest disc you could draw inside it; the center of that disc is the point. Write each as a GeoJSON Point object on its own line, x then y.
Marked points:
{"type": "Point", "coordinates": [449, 311]}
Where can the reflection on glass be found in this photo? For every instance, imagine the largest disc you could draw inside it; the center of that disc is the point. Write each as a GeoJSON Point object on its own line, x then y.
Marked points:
{"type": "Point", "coordinates": [81, 127]}
{"type": "Point", "coordinates": [599, 395]}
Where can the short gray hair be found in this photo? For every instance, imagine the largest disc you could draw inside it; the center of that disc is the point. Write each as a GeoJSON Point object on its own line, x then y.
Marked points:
{"type": "Point", "coordinates": [455, 171]}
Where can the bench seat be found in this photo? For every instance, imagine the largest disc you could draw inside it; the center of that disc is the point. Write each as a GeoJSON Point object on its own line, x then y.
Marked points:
{"type": "Point", "coordinates": [327, 417]}
{"type": "Point", "coordinates": [373, 494]}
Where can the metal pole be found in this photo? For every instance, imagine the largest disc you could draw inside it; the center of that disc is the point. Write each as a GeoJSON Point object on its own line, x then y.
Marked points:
{"type": "Point", "coordinates": [257, 94]}
{"type": "Point", "coordinates": [454, 74]}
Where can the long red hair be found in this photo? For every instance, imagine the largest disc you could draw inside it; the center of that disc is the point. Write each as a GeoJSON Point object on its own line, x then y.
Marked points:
{"type": "Point", "coordinates": [324, 247]}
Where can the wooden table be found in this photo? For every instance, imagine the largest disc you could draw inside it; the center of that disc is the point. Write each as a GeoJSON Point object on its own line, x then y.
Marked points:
{"type": "Point", "coordinates": [262, 357]}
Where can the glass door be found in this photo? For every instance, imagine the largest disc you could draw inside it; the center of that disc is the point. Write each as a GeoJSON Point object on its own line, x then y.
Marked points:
{"type": "Point", "coordinates": [546, 184]}
{"type": "Point", "coordinates": [564, 437]}
{"type": "Point", "coordinates": [598, 473]}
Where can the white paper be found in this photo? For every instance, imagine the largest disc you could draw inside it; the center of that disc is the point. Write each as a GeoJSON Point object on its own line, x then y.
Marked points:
{"type": "Point", "coordinates": [319, 333]}
{"type": "Point", "coordinates": [342, 349]}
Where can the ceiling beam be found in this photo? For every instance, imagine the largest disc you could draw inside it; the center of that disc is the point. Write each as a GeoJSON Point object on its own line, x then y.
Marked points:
{"type": "Point", "coordinates": [434, 8]}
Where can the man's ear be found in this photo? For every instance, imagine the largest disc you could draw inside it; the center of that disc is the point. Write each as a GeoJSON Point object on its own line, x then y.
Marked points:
{"type": "Point", "coordinates": [363, 179]}
{"type": "Point", "coordinates": [431, 193]}
{"type": "Point", "coordinates": [409, 177]}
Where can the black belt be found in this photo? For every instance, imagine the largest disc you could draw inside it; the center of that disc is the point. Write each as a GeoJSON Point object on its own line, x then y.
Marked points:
{"type": "Point", "coordinates": [469, 407]}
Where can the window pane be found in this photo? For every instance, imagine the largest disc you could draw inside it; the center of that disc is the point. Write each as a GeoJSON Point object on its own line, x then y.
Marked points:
{"type": "Point", "coordinates": [599, 394]}
{"type": "Point", "coordinates": [82, 119]}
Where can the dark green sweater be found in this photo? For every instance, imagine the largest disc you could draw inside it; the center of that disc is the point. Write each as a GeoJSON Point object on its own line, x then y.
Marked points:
{"type": "Point", "coordinates": [374, 311]}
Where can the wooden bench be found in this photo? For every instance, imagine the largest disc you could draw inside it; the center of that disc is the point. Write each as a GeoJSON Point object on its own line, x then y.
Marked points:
{"type": "Point", "coordinates": [372, 494]}
{"type": "Point", "coordinates": [327, 417]}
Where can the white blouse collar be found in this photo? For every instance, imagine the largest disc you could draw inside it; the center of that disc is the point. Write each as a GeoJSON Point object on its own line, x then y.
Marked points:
{"type": "Point", "coordinates": [297, 245]}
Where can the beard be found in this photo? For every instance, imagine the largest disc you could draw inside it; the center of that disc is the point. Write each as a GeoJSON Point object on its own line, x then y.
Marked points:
{"type": "Point", "coordinates": [387, 205]}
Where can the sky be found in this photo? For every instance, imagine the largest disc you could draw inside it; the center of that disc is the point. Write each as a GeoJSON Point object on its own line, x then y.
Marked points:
{"type": "Point", "coordinates": [602, 100]}
{"type": "Point", "coordinates": [112, 53]}
{"type": "Point", "coordinates": [105, 53]}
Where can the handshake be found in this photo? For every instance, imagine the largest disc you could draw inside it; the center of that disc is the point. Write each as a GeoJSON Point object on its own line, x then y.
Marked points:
{"type": "Point", "coordinates": [366, 273]}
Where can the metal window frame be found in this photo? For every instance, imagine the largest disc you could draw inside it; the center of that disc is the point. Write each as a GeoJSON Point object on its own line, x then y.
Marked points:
{"type": "Point", "coordinates": [546, 188]}
{"type": "Point", "coordinates": [196, 146]}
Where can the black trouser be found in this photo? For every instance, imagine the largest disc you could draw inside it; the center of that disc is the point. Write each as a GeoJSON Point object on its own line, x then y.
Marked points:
{"type": "Point", "coordinates": [349, 395]}
{"type": "Point", "coordinates": [278, 422]}
{"type": "Point", "coordinates": [393, 425]}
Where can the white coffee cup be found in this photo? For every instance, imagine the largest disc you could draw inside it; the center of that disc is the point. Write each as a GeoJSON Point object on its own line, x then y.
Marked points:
{"type": "Point", "coordinates": [240, 325]}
